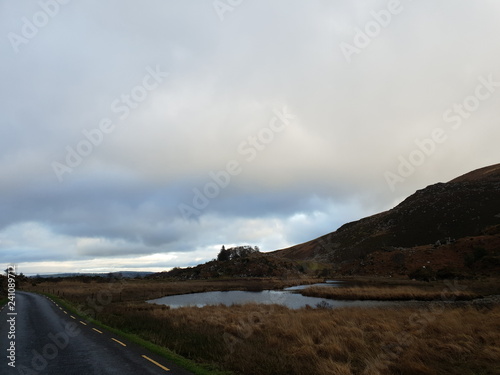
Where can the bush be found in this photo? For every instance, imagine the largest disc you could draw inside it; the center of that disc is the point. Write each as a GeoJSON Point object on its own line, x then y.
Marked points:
{"type": "Point", "coordinates": [449, 273]}
{"type": "Point", "coordinates": [236, 252]}
{"type": "Point", "coordinates": [469, 260]}
{"type": "Point", "coordinates": [479, 252]}
{"type": "Point", "coordinates": [491, 260]}
{"type": "Point", "coordinates": [423, 274]}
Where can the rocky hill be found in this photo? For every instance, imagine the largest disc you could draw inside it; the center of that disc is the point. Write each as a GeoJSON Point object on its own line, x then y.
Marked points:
{"type": "Point", "coordinates": [438, 218]}
{"type": "Point", "coordinates": [249, 265]}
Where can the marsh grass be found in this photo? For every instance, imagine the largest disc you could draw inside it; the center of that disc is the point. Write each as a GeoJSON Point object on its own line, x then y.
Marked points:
{"type": "Point", "coordinates": [270, 339]}
{"type": "Point", "coordinates": [140, 290]}
{"type": "Point", "coordinates": [266, 339]}
{"type": "Point", "coordinates": [404, 293]}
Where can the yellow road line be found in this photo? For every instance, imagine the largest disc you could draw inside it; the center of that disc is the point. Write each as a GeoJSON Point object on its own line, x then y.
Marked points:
{"type": "Point", "coordinates": [96, 330]}
{"type": "Point", "coordinates": [65, 312]}
{"type": "Point", "coordinates": [156, 363]}
{"type": "Point", "coordinates": [119, 342]}
{"type": "Point", "coordinates": [83, 323]}
{"type": "Point", "coordinates": [72, 317]}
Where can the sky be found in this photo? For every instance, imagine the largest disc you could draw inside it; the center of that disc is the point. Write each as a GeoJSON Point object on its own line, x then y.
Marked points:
{"type": "Point", "coordinates": [144, 135]}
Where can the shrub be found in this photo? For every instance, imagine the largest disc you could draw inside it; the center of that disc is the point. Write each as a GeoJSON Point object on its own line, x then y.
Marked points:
{"type": "Point", "coordinates": [424, 274]}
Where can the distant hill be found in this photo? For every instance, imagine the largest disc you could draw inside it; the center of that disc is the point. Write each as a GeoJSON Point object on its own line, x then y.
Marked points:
{"type": "Point", "coordinates": [439, 217]}
{"type": "Point", "coordinates": [126, 274]}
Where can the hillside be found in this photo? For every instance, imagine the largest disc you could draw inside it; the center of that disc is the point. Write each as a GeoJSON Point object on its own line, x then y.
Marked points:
{"type": "Point", "coordinates": [251, 265]}
{"type": "Point", "coordinates": [435, 223]}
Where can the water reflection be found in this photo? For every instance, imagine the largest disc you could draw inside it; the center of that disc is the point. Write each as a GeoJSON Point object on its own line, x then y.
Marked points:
{"type": "Point", "coordinates": [332, 283]}
{"type": "Point", "coordinates": [286, 298]}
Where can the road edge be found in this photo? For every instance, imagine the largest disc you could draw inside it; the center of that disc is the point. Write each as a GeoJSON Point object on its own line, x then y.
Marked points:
{"type": "Point", "coordinates": [195, 368]}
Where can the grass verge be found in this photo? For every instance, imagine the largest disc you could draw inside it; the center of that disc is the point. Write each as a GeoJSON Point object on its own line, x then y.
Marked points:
{"type": "Point", "coordinates": [197, 369]}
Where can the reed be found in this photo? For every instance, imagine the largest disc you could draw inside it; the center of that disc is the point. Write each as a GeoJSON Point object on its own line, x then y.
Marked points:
{"type": "Point", "coordinates": [269, 339]}
{"type": "Point", "coordinates": [404, 293]}
{"type": "Point", "coordinates": [260, 339]}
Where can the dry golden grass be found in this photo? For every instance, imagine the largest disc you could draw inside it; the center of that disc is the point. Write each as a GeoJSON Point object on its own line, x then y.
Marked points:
{"type": "Point", "coordinates": [141, 290]}
{"type": "Point", "coordinates": [387, 294]}
{"type": "Point", "coordinates": [262, 339]}
{"type": "Point", "coordinates": [273, 340]}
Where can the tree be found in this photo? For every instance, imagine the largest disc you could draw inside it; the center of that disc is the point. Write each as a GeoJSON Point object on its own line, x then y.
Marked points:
{"type": "Point", "coordinates": [236, 252]}
{"type": "Point", "coordinates": [224, 254]}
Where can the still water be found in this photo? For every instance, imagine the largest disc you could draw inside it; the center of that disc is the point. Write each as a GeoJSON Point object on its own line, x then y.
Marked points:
{"type": "Point", "coordinates": [281, 297]}
{"type": "Point", "coordinates": [332, 283]}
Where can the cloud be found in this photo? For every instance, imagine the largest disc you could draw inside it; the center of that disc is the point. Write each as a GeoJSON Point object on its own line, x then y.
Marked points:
{"type": "Point", "coordinates": [353, 122]}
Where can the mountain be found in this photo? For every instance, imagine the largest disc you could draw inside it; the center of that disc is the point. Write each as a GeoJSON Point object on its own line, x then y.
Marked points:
{"type": "Point", "coordinates": [125, 274]}
{"type": "Point", "coordinates": [434, 221]}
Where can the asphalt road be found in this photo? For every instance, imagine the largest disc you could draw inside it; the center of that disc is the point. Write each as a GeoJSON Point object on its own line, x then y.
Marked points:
{"type": "Point", "coordinates": [49, 340]}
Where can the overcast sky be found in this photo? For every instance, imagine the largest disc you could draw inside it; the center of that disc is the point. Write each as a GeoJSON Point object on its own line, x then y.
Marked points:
{"type": "Point", "coordinates": [144, 135]}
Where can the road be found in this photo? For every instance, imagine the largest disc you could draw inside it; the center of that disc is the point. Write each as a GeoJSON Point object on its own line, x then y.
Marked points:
{"type": "Point", "coordinates": [50, 340]}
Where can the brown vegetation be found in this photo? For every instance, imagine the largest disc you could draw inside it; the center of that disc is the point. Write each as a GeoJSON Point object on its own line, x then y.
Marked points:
{"type": "Point", "coordinates": [124, 290]}
{"type": "Point", "coordinates": [386, 294]}
{"type": "Point", "coordinates": [269, 339]}
{"type": "Point", "coordinates": [464, 258]}
{"type": "Point", "coordinates": [452, 229]}
{"type": "Point", "coordinates": [247, 265]}
{"type": "Point", "coordinates": [260, 339]}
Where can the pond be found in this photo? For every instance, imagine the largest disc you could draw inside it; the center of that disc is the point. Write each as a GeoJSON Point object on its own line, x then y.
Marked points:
{"type": "Point", "coordinates": [332, 283]}
{"type": "Point", "coordinates": [281, 297]}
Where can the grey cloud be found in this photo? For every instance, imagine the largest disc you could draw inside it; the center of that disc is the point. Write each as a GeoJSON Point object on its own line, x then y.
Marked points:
{"type": "Point", "coordinates": [353, 120]}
